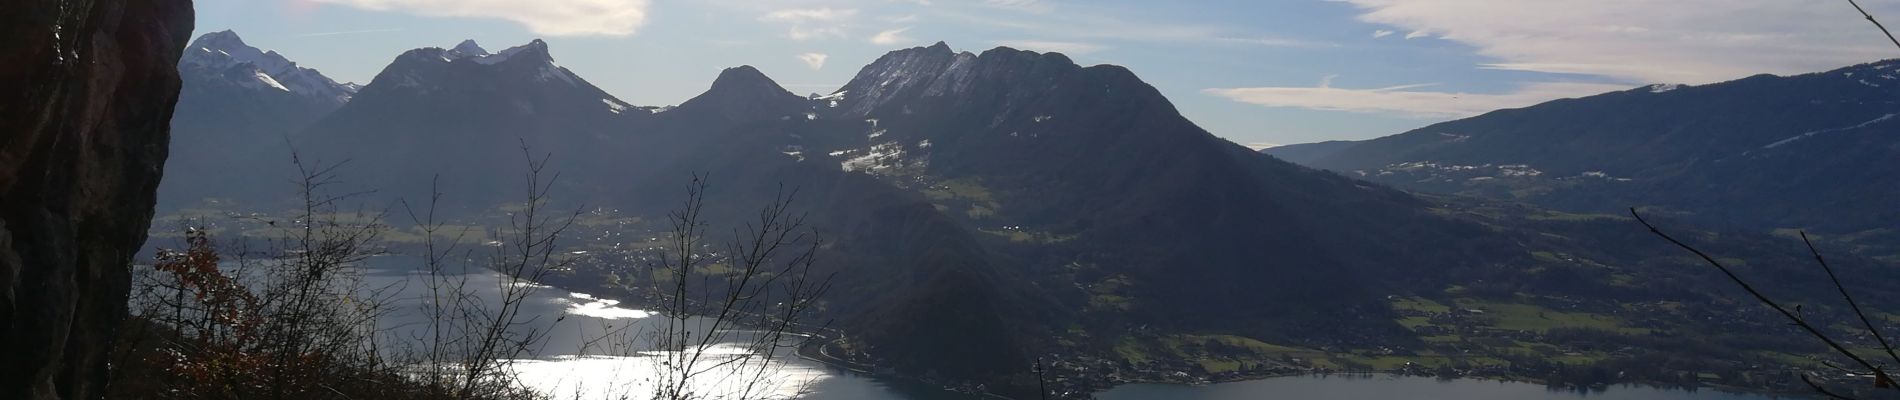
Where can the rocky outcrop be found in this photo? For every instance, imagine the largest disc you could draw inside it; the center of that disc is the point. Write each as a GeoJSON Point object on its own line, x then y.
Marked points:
{"type": "Point", "coordinates": [84, 122]}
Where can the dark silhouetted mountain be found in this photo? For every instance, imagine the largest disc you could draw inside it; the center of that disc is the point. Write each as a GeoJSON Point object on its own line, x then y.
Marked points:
{"type": "Point", "coordinates": [742, 94]}
{"type": "Point", "coordinates": [1090, 171]}
{"type": "Point", "coordinates": [235, 113]}
{"type": "Point", "coordinates": [465, 114]}
{"type": "Point", "coordinates": [1804, 151]}
{"type": "Point", "coordinates": [461, 114]}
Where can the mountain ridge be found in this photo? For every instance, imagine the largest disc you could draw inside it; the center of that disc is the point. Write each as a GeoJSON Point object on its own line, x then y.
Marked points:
{"type": "Point", "coordinates": [991, 208]}
{"type": "Point", "coordinates": [235, 112]}
{"type": "Point", "coordinates": [225, 50]}
{"type": "Point", "coordinates": [1761, 152]}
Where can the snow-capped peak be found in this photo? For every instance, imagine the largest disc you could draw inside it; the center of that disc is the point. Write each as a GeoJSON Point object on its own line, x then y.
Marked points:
{"type": "Point", "coordinates": [220, 49]}
{"type": "Point", "coordinates": [221, 52]}
{"type": "Point", "coordinates": [469, 50]}
{"type": "Point", "coordinates": [469, 47]}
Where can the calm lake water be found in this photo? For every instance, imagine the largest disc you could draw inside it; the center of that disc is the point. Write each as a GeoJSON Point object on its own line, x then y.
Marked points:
{"type": "Point", "coordinates": [596, 350]}
{"type": "Point", "coordinates": [583, 359]}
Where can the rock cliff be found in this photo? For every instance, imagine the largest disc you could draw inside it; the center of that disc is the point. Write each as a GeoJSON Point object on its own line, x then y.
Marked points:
{"type": "Point", "coordinates": [84, 125]}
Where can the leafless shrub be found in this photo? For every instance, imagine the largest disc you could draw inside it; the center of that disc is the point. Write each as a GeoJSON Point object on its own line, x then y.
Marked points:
{"type": "Point", "coordinates": [733, 308]}
{"type": "Point", "coordinates": [1869, 367]}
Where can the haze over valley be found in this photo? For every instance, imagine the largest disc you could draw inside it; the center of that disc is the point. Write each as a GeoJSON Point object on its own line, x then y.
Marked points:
{"type": "Point", "coordinates": [205, 213]}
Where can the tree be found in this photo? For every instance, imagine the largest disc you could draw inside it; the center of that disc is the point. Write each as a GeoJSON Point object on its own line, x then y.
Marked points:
{"type": "Point", "coordinates": [1862, 365]}
{"type": "Point", "coordinates": [766, 285]}
{"type": "Point", "coordinates": [470, 341]}
{"type": "Point", "coordinates": [295, 321]}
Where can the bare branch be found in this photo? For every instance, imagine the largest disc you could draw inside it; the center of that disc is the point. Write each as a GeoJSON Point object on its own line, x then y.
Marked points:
{"type": "Point", "coordinates": [1870, 18]}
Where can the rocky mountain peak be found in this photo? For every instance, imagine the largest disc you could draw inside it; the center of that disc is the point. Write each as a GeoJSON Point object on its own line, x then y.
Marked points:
{"type": "Point", "coordinates": [225, 55]}
{"type": "Point", "coordinates": [744, 91]}
{"type": "Point", "coordinates": [747, 81]}
{"type": "Point", "coordinates": [1002, 76]}
{"type": "Point", "coordinates": [469, 47]}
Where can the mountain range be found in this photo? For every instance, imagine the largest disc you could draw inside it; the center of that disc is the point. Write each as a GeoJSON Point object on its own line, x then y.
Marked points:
{"type": "Point", "coordinates": [1760, 153]}
{"type": "Point", "coordinates": [985, 209]}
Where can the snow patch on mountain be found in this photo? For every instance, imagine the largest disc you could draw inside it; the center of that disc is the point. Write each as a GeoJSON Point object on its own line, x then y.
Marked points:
{"type": "Point", "coordinates": [470, 48]}
{"type": "Point", "coordinates": [615, 106]}
{"type": "Point", "coordinates": [1664, 87]}
{"type": "Point", "coordinates": [831, 99]}
{"type": "Point", "coordinates": [1809, 134]}
{"type": "Point", "coordinates": [879, 157]}
{"type": "Point", "coordinates": [264, 80]}
{"type": "Point", "coordinates": [225, 53]}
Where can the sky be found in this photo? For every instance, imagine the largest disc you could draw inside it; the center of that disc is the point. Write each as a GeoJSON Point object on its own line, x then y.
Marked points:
{"type": "Point", "coordinates": [1257, 72]}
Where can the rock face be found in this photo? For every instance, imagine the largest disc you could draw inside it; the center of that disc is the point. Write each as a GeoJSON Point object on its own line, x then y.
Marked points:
{"type": "Point", "coordinates": [91, 87]}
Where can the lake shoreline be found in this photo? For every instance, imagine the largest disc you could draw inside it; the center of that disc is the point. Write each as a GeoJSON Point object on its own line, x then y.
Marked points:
{"type": "Point", "coordinates": [813, 350]}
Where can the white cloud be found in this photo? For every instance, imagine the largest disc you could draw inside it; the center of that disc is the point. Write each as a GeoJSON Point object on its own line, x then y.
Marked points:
{"type": "Point", "coordinates": [814, 60]}
{"type": "Point", "coordinates": [545, 17]}
{"type": "Point", "coordinates": [1647, 41]}
{"type": "Point", "coordinates": [1416, 34]}
{"type": "Point", "coordinates": [801, 32]}
{"type": "Point", "coordinates": [809, 14]}
{"type": "Point", "coordinates": [1381, 33]}
{"type": "Point", "coordinates": [890, 37]}
{"type": "Point", "coordinates": [1406, 100]}
{"type": "Point", "coordinates": [1068, 48]}
{"type": "Point", "coordinates": [812, 23]}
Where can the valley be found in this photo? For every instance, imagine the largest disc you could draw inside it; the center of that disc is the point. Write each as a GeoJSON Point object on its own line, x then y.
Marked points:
{"type": "Point", "coordinates": [983, 211]}
{"type": "Point", "coordinates": [827, 199]}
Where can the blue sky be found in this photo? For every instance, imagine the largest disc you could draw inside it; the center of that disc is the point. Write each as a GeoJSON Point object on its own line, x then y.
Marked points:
{"type": "Point", "coordinates": [1256, 72]}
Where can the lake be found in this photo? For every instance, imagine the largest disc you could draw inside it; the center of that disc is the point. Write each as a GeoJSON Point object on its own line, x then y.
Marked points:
{"type": "Point", "coordinates": [594, 350]}
{"type": "Point", "coordinates": [575, 363]}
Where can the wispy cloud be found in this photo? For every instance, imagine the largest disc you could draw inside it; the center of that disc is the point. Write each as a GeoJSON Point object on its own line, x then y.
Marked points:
{"type": "Point", "coordinates": [321, 34]}
{"type": "Point", "coordinates": [812, 23]}
{"type": "Point", "coordinates": [814, 60]}
{"type": "Point", "coordinates": [546, 17]}
{"type": "Point", "coordinates": [800, 32]}
{"type": "Point", "coordinates": [891, 37]}
{"type": "Point", "coordinates": [1068, 48]}
{"type": "Point", "coordinates": [1645, 41]}
{"type": "Point", "coordinates": [1381, 33]}
{"type": "Point", "coordinates": [809, 14]}
{"type": "Point", "coordinates": [1407, 100]}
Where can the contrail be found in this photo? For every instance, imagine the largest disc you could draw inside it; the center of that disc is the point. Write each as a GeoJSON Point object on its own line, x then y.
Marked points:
{"type": "Point", "coordinates": [348, 32]}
